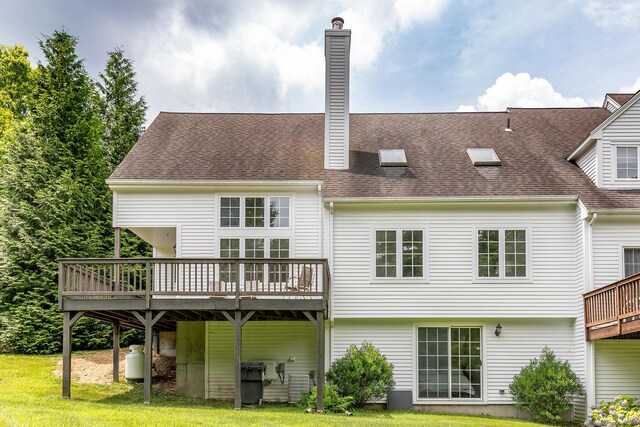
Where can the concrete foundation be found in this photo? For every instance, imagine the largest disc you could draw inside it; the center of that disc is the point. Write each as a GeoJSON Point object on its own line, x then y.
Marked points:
{"type": "Point", "coordinates": [190, 347]}
{"type": "Point", "coordinates": [508, 411]}
{"type": "Point", "coordinates": [167, 344]}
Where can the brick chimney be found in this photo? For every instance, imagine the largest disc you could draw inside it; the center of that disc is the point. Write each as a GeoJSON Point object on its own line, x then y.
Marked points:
{"type": "Point", "coordinates": [337, 43]}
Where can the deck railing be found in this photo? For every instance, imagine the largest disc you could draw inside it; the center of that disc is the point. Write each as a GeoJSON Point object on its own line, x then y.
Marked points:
{"type": "Point", "coordinates": [167, 277]}
{"type": "Point", "coordinates": [608, 310]}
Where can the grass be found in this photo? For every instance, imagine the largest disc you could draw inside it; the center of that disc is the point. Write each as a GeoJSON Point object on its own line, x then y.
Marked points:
{"type": "Point", "coordinates": [31, 396]}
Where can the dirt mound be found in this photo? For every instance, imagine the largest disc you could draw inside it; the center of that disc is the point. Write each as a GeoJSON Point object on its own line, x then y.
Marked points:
{"type": "Point", "coordinates": [97, 368]}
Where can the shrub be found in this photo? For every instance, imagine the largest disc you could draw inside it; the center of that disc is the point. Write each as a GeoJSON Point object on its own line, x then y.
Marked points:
{"type": "Point", "coordinates": [546, 388]}
{"type": "Point", "coordinates": [622, 411]}
{"type": "Point", "coordinates": [363, 373]}
{"type": "Point", "coordinates": [332, 401]}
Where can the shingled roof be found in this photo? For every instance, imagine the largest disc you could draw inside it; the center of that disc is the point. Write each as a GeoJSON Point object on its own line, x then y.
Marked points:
{"type": "Point", "coordinates": [192, 146]}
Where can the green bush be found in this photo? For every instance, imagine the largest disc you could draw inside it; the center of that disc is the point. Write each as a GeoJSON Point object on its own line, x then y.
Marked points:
{"type": "Point", "coordinates": [332, 400]}
{"type": "Point", "coordinates": [363, 373]}
{"type": "Point", "coordinates": [622, 411]}
{"type": "Point", "coordinates": [546, 387]}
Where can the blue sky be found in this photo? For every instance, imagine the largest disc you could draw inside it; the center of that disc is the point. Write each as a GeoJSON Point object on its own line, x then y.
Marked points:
{"type": "Point", "coordinates": [439, 55]}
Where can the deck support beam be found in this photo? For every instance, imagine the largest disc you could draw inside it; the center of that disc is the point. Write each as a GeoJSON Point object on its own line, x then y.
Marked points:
{"type": "Point", "coordinates": [320, 360]}
{"type": "Point", "coordinates": [148, 355]}
{"type": "Point", "coordinates": [116, 351]}
{"type": "Point", "coordinates": [148, 320]}
{"type": "Point", "coordinates": [238, 321]}
{"type": "Point", "coordinates": [69, 318]}
{"type": "Point", "coordinates": [318, 321]}
{"type": "Point", "coordinates": [116, 242]}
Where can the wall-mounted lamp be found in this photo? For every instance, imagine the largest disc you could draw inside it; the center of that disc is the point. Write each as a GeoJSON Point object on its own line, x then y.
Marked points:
{"type": "Point", "coordinates": [498, 329]}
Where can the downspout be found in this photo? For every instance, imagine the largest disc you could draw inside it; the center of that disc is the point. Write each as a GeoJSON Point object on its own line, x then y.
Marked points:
{"type": "Point", "coordinates": [594, 217]}
{"type": "Point", "coordinates": [331, 322]}
{"type": "Point", "coordinates": [591, 360]}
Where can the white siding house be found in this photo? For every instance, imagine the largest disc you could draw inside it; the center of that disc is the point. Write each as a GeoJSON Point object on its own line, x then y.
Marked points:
{"type": "Point", "coordinates": [426, 258]}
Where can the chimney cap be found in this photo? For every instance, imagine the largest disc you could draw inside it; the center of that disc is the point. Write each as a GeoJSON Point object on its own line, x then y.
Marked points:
{"type": "Point", "coordinates": [337, 23]}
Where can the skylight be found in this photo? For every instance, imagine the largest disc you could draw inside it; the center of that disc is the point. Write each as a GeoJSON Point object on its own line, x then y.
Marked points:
{"type": "Point", "coordinates": [394, 157]}
{"type": "Point", "coordinates": [483, 157]}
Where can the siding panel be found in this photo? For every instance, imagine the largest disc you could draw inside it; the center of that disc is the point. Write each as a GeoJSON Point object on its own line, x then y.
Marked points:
{"type": "Point", "coordinates": [451, 291]}
{"type": "Point", "coordinates": [609, 238]}
{"type": "Point", "coordinates": [261, 341]}
{"type": "Point", "coordinates": [140, 209]}
{"type": "Point", "coordinates": [504, 356]}
{"type": "Point", "coordinates": [625, 129]}
{"type": "Point", "coordinates": [589, 164]}
{"type": "Point", "coordinates": [617, 368]}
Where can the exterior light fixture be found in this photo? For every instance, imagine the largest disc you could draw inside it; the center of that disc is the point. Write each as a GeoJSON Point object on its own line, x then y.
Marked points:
{"type": "Point", "coordinates": [498, 329]}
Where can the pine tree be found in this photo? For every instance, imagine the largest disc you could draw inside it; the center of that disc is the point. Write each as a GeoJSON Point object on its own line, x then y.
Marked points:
{"type": "Point", "coordinates": [56, 202]}
{"type": "Point", "coordinates": [123, 115]}
{"type": "Point", "coordinates": [122, 111]}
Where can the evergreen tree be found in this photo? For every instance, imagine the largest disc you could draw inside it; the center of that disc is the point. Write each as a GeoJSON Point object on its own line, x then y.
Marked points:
{"type": "Point", "coordinates": [56, 202]}
{"type": "Point", "coordinates": [123, 115]}
{"type": "Point", "coordinates": [122, 111]}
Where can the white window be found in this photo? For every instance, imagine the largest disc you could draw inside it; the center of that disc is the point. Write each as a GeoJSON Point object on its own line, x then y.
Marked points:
{"type": "Point", "coordinates": [255, 212]}
{"type": "Point", "coordinates": [254, 248]}
{"type": "Point", "coordinates": [229, 248]}
{"type": "Point", "coordinates": [449, 363]}
{"type": "Point", "coordinates": [230, 212]}
{"type": "Point", "coordinates": [502, 253]}
{"type": "Point", "coordinates": [399, 253]}
{"type": "Point", "coordinates": [279, 211]}
{"type": "Point", "coordinates": [631, 261]}
{"type": "Point", "coordinates": [627, 162]}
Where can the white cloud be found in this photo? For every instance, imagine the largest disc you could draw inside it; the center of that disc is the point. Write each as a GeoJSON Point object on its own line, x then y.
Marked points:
{"type": "Point", "coordinates": [522, 90]}
{"type": "Point", "coordinates": [631, 89]}
{"type": "Point", "coordinates": [466, 109]}
{"type": "Point", "coordinates": [617, 13]}
{"type": "Point", "coordinates": [409, 12]}
{"type": "Point", "coordinates": [267, 57]}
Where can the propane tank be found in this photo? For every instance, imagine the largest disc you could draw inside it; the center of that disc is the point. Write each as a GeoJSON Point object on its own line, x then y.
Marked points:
{"type": "Point", "coordinates": [134, 363]}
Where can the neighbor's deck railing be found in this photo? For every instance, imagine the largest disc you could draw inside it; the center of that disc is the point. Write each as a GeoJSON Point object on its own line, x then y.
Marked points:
{"type": "Point", "coordinates": [608, 309]}
{"type": "Point", "coordinates": [166, 277]}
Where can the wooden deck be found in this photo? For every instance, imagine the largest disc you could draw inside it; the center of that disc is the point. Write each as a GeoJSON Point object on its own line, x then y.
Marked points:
{"type": "Point", "coordinates": [613, 311]}
{"type": "Point", "coordinates": [153, 294]}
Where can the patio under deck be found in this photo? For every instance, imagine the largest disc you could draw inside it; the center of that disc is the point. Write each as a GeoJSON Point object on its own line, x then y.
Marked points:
{"type": "Point", "coordinates": [613, 311]}
{"type": "Point", "coordinates": [152, 294]}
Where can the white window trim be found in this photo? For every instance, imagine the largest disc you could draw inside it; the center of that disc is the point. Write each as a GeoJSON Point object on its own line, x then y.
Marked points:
{"type": "Point", "coordinates": [623, 246]}
{"type": "Point", "coordinates": [414, 362]}
{"type": "Point", "coordinates": [502, 278]}
{"type": "Point", "coordinates": [267, 218]}
{"type": "Point", "coordinates": [398, 228]}
{"type": "Point", "coordinates": [614, 157]}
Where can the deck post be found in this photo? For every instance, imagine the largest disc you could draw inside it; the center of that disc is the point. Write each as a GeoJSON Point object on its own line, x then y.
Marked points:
{"type": "Point", "coordinates": [320, 360]}
{"type": "Point", "coordinates": [66, 355]}
{"type": "Point", "coordinates": [69, 318]}
{"type": "Point", "coordinates": [148, 340]}
{"type": "Point", "coordinates": [237, 396]}
{"type": "Point", "coordinates": [116, 351]}
{"type": "Point", "coordinates": [116, 242]}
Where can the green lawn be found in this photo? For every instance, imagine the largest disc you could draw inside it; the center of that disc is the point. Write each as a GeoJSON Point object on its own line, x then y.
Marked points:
{"type": "Point", "coordinates": [30, 396]}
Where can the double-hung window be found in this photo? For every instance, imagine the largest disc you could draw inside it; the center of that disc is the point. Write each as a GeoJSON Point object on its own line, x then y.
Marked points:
{"type": "Point", "coordinates": [502, 253]}
{"type": "Point", "coordinates": [631, 261]}
{"type": "Point", "coordinates": [399, 253]}
{"type": "Point", "coordinates": [627, 162]}
{"type": "Point", "coordinates": [449, 363]}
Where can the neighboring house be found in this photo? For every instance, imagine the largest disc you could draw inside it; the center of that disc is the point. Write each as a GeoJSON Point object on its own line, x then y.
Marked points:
{"type": "Point", "coordinates": [471, 221]}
